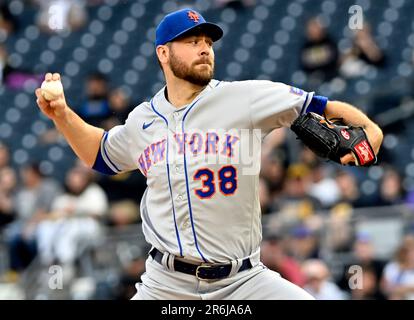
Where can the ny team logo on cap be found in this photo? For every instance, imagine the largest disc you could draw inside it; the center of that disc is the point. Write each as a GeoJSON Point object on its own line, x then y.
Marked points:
{"type": "Point", "coordinates": [193, 16]}
{"type": "Point", "coordinates": [177, 23]}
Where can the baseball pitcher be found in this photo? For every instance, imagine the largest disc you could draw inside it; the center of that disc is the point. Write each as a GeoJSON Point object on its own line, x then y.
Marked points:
{"type": "Point", "coordinates": [197, 141]}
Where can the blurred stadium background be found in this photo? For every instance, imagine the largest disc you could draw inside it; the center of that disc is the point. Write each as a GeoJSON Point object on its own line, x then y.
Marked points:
{"type": "Point", "coordinates": [318, 218]}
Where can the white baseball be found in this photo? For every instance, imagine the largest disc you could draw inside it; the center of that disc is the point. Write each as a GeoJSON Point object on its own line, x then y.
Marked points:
{"type": "Point", "coordinates": [51, 90]}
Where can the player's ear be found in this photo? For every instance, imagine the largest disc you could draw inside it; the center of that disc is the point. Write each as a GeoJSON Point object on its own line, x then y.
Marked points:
{"type": "Point", "coordinates": [163, 53]}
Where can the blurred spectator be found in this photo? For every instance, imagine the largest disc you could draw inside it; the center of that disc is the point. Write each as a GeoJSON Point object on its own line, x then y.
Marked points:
{"type": "Point", "coordinates": [349, 190]}
{"type": "Point", "coordinates": [363, 53]}
{"type": "Point", "coordinates": [324, 188]}
{"type": "Point", "coordinates": [363, 255]}
{"type": "Point", "coordinates": [369, 290]}
{"type": "Point", "coordinates": [319, 54]}
{"type": "Point", "coordinates": [75, 221]}
{"type": "Point", "coordinates": [129, 278]}
{"type": "Point", "coordinates": [274, 142]}
{"type": "Point", "coordinates": [398, 276]}
{"type": "Point", "coordinates": [318, 282]}
{"type": "Point", "coordinates": [273, 173]}
{"type": "Point", "coordinates": [125, 186]}
{"type": "Point", "coordinates": [61, 15]}
{"type": "Point", "coordinates": [132, 270]}
{"type": "Point", "coordinates": [104, 113]}
{"type": "Point", "coordinates": [123, 213]}
{"type": "Point", "coordinates": [308, 157]}
{"type": "Point", "coordinates": [339, 228]}
{"type": "Point", "coordinates": [7, 188]}
{"type": "Point", "coordinates": [33, 201]}
{"type": "Point", "coordinates": [303, 243]}
{"type": "Point", "coordinates": [391, 191]}
{"type": "Point", "coordinates": [120, 108]}
{"type": "Point", "coordinates": [15, 78]}
{"type": "Point", "coordinates": [274, 256]}
{"type": "Point", "coordinates": [95, 107]}
{"type": "Point", "coordinates": [8, 22]}
{"type": "Point", "coordinates": [273, 158]}
{"type": "Point", "coordinates": [264, 196]}
{"type": "Point", "coordinates": [296, 204]}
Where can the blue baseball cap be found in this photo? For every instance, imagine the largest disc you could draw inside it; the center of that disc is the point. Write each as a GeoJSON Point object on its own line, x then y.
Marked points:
{"type": "Point", "coordinates": [363, 237]}
{"type": "Point", "coordinates": [301, 232]}
{"type": "Point", "coordinates": [179, 22]}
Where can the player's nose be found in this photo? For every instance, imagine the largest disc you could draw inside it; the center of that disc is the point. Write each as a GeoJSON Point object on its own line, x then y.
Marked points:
{"type": "Point", "coordinates": [204, 52]}
{"type": "Point", "coordinates": [205, 47]}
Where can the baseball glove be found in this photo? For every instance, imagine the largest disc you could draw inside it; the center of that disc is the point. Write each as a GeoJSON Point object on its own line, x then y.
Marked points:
{"type": "Point", "coordinates": [332, 139]}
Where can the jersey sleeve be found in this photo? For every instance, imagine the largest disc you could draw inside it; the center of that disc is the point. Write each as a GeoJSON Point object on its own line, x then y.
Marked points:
{"type": "Point", "coordinates": [275, 104]}
{"type": "Point", "coordinates": [114, 155]}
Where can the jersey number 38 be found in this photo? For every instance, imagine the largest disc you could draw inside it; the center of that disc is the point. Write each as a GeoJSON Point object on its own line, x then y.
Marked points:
{"type": "Point", "coordinates": [227, 177]}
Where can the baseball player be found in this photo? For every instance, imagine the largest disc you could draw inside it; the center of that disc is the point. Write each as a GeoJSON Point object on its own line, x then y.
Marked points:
{"type": "Point", "coordinates": [201, 211]}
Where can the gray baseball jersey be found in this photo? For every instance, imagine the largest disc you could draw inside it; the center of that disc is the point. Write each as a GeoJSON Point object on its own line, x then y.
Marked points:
{"type": "Point", "coordinates": [202, 164]}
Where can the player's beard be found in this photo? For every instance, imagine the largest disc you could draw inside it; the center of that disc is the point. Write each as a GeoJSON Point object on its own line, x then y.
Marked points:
{"type": "Point", "coordinates": [182, 71]}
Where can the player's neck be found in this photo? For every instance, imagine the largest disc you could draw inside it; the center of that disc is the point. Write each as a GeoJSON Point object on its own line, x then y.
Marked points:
{"type": "Point", "coordinates": [180, 92]}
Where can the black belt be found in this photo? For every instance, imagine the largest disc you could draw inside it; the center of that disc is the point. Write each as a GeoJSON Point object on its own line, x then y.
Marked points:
{"type": "Point", "coordinates": [202, 271]}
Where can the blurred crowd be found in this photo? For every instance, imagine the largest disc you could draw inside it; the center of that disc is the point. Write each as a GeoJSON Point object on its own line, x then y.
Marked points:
{"type": "Point", "coordinates": [58, 222]}
{"type": "Point", "coordinates": [321, 59]}
{"type": "Point", "coordinates": [309, 206]}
